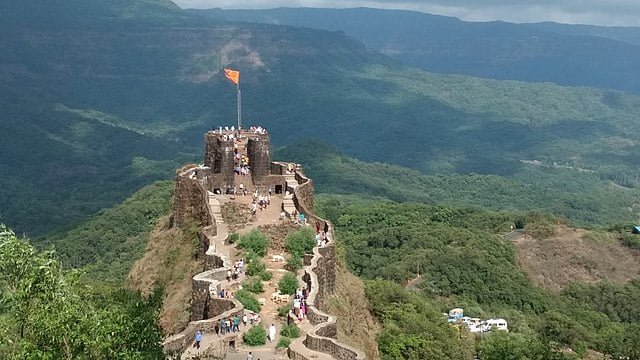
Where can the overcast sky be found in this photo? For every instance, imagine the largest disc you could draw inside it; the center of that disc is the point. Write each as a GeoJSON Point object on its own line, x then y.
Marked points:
{"type": "Point", "coordinates": [597, 12]}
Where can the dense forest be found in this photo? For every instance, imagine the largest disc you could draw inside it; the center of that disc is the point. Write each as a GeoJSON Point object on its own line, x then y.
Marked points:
{"type": "Point", "coordinates": [559, 53]}
{"type": "Point", "coordinates": [582, 198]}
{"type": "Point", "coordinates": [101, 105]}
{"type": "Point", "coordinates": [100, 99]}
{"type": "Point", "coordinates": [464, 262]}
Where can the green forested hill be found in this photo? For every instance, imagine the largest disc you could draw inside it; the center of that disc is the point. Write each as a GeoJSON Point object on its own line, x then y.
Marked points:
{"type": "Point", "coordinates": [565, 54]}
{"type": "Point", "coordinates": [582, 198]}
{"type": "Point", "coordinates": [464, 262]}
{"type": "Point", "coordinates": [93, 110]}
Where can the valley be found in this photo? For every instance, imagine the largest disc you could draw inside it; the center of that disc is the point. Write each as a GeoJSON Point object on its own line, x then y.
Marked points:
{"type": "Point", "coordinates": [424, 140]}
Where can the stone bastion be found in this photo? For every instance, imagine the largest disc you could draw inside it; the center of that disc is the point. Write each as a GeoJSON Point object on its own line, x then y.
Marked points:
{"type": "Point", "coordinates": [194, 200]}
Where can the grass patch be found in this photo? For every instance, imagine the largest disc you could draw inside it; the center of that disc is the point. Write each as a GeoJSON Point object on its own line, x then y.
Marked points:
{"type": "Point", "coordinates": [248, 300]}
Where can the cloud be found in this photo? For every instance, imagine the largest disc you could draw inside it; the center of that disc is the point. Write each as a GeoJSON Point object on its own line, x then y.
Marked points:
{"type": "Point", "coordinates": [596, 12]}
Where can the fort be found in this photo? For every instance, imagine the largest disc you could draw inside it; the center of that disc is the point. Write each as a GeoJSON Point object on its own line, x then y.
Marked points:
{"type": "Point", "coordinates": [201, 190]}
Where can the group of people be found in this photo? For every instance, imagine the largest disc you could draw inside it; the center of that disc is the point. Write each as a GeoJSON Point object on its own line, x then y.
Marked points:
{"type": "Point", "coordinates": [229, 325]}
{"type": "Point", "coordinates": [300, 303]}
{"type": "Point", "coordinates": [241, 162]}
{"type": "Point", "coordinates": [258, 130]}
{"type": "Point", "coordinates": [260, 201]}
{"type": "Point", "coordinates": [226, 294]}
{"type": "Point", "coordinates": [238, 269]}
{"type": "Point", "coordinates": [321, 238]}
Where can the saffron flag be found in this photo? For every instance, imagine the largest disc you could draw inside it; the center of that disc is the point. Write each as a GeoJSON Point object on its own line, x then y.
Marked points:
{"type": "Point", "coordinates": [232, 75]}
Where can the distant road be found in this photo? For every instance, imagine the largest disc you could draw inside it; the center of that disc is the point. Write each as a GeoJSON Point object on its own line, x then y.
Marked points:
{"type": "Point", "coordinates": [514, 235]}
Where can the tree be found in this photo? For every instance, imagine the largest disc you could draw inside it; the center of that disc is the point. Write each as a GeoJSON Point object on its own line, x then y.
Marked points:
{"type": "Point", "coordinates": [288, 284]}
{"type": "Point", "coordinates": [45, 315]}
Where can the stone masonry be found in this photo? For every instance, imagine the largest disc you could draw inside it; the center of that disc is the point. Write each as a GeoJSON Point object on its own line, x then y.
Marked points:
{"type": "Point", "coordinates": [195, 200]}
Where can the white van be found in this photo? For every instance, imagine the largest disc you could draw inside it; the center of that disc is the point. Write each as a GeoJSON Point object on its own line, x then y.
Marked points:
{"type": "Point", "coordinates": [499, 324]}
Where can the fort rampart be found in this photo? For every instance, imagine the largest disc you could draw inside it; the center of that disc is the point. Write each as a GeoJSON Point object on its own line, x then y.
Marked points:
{"type": "Point", "coordinates": [195, 200]}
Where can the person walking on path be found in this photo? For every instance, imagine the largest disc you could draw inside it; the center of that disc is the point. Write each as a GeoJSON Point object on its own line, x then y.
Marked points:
{"type": "Point", "coordinates": [272, 333]}
{"type": "Point", "coordinates": [236, 324]}
{"type": "Point", "coordinates": [250, 356]}
{"type": "Point", "coordinates": [198, 339]}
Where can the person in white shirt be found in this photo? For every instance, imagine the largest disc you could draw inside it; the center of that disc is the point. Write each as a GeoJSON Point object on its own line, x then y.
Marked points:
{"type": "Point", "coordinates": [272, 333]}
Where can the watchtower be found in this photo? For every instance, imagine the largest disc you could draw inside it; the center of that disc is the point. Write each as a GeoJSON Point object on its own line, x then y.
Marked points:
{"type": "Point", "coordinates": [259, 157]}
{"type": "Point", "coordinates": [218, 155]}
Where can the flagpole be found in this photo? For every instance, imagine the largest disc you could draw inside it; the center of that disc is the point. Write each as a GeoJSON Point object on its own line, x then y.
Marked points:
{"type": "Point", "coordinates": [239, 107]}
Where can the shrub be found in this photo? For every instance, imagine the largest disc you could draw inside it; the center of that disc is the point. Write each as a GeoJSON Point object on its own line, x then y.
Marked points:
{"type": "Point", "coordinates": [284, 342]}
{"type": "Point", "coordinates": [248, 300]}
{"type": "Point", "coordinates": [233, 238]}
{"type": "Point", "coordinates": [294, 263]}
{"type": "Point", "coordinates": [254, 241]}
{"type": "Point", "coordinates": [284, 309]}
{"type": "Point", "coordinates": [255, 267]}
{"type": "Point", "coordinates": [288, 284]}
{"type": "Point", "coordinates": [256, 336]}
{"type": "Point", "coordinates": [301, 242]}
{"type": "Point", "coordinates": [265, 276]}
{"type": "Point", "coordinates": [253, 285]}
{"type": "Point", "coordinates": [290, 331]}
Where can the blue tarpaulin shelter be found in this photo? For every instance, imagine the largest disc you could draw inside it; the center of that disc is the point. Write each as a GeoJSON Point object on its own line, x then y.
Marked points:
{"type": "Point", "coordinates": [636, 230]}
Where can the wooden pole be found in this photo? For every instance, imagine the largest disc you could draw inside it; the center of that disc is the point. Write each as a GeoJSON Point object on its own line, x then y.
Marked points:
{"type": "Point", "coordinates": [239, 107]}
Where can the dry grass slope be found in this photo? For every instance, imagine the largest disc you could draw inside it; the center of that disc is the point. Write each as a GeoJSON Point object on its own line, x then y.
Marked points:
{"type": "Point", "coordinates": [169, 261]}
{"type": "Point", "coordinates": [356, 325]}
{"type": "Point", "coordinates": [576, 255]}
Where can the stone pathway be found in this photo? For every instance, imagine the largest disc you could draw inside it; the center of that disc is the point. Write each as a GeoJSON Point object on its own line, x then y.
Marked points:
{"type": "Point", "coordinates": [269, 312]}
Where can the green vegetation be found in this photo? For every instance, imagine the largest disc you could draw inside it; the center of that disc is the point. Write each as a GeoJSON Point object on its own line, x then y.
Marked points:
{"type": "Point", "coordinates": [288, 284]}
{"type": "Point", "coordinates": [464, 262]}
{"type": "Point", "coordinates": [233, 238]}
{"type": "Point", "coordinates": [253, 285]}
{"type": "Point", "coordinates": [293, 264]}
{"type": "Point", "coordinates": [256, 336]}
{"type": "Point", "coordinates": [283, 343]}
{"type": "Point", "coordinates": [413, 327]}
{"type": "Point", "coordinates": [255, 267]}
{"type": "Point", "coordinates": [500, 346]}
{"type": "Point", "coordinates": [132, 107]}
{"type": "Point", "coordinates": [109, 242]}
{"type": "Point", "coordinates": [255, 242]}
{"type": "Point", "coordinates": [582, 198]}
{"type": "Point", "coordinates": [290, 331]}
{"type": "Point", "coordinates": [248, 300]}
{"type": "Point", "coordinates": [46, 314]}
{"type": "Point", "coordinates": [300, 242]}
{"type": "Point", "coordinates": [566, 54]}
{"type": "Point", "coordinates": [284, 309]}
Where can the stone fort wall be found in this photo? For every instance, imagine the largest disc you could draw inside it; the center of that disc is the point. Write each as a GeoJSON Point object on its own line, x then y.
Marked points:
{"type": "Point", "coordinates": [192, 202]}
{"type": "Point", "coordinates": [319, 277]}
{"type": "Point", "coordinates": [190, 199]}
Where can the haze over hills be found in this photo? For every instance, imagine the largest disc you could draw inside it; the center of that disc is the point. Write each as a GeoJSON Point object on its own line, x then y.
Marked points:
{"type": "Point", "coordinates": [94, 108]}
{"type": "Point", "coordinates": [603, 57]}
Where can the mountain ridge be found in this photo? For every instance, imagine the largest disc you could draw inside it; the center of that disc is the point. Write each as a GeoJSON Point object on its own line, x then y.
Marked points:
{"type": "Point", "coordinates": [500, 50]}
